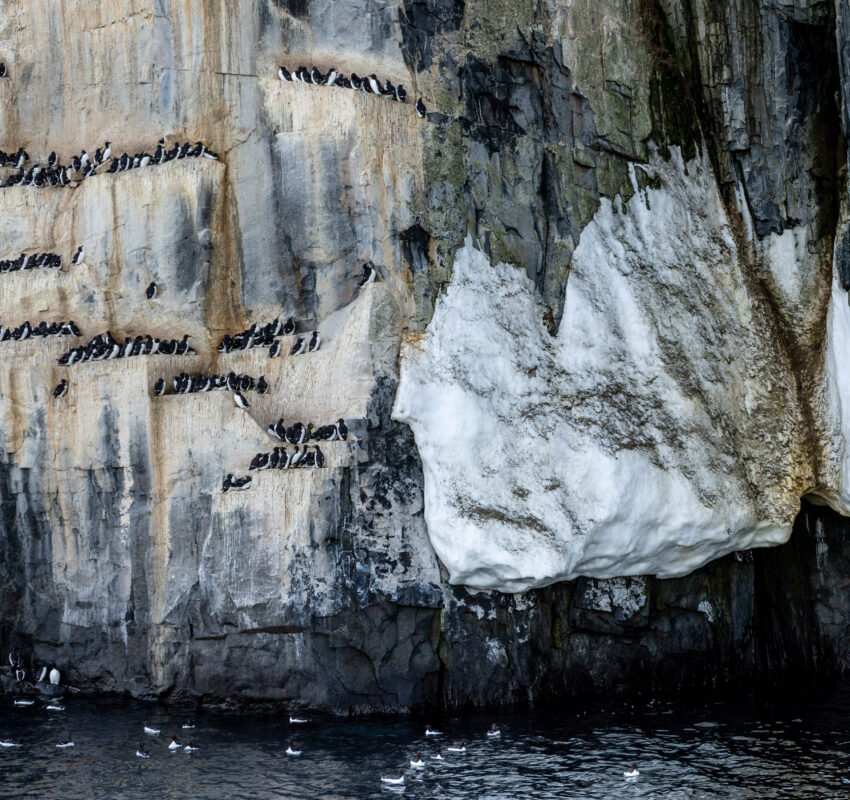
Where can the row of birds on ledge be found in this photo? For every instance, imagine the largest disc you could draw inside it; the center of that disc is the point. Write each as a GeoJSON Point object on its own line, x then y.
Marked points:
{"type": "Point", "coordinates": [83, 166]}
{"type": "Point", "coordinates": [189, 384]}
{"type": "Point", "coordinates": [105, 346]}
{"type": "Point", "coordinates": [370, 84]}
{"type": "Point", "coordinates": [43, 329]}
{"type": "Point", "coordinates": [280, 459]}
{"type": "Point", "coordinates": [32, 261]}
{"type": "Point", "coordinates": [298, 433]}
{"type": "Point", "coordinates": [267, 336]}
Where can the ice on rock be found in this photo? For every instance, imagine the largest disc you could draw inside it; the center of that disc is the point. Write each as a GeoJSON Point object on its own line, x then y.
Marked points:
{"type": "Point", "coordinates": [654, 433]}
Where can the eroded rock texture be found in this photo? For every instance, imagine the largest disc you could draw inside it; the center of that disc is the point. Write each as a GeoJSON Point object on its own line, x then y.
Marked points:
{"type": "Point", "coordinates": [123, 562]}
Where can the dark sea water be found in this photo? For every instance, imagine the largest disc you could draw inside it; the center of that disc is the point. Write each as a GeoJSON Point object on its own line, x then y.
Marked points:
{"type": "Point", "coordinates": [792, 745]}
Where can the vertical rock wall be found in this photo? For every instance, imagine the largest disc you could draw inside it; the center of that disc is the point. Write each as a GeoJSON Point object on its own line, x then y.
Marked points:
{"type": "Point", "coordinates": [121, 561]}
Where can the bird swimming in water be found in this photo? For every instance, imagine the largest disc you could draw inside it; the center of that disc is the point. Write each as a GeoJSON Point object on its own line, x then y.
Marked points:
{"type": "Point", "coordinates": [494, 731]}
{"type": "Point", "coordinates": [429, 731]}
{"type": "Point", "coordinates": [399, 781]}
{"type": "Point", "coordinates": [438, 756]}
{"type": "Point", "coordinates": [24, 702]}
{"type": "Point", "coordinates": [188, 725]}
{"type": "Point", "coordinates": [631, 772]}
{"type": "Point", "coordinates": [174, 745]}
{"type": "Point", "coordinates": [67, 741]}
{"type": "Point", "coordinates": [151, 731]}
{"type": "Point", "coordinates": [142, 751]}
{"type": "Point", "coordinates": [62, 389]}
{"type": "Point", "coordinates": [457, 748]}
{"type": "Point", "coordinates": [190, 748]}
{"type": "Point", "coordinates": [7, 741]}
{"type": "Point", "coordinates": [420, 108]}
{"type": "Point", "coordinates": [417, 761]}
{"type": "Point", "coordinates": [55, 707]}
{"type": "Point", "coordinates": [291, 750]}
{"type": "Point", "coordinates": [150, 292]}
{"type": "Point", "coordinates": [298, 720]}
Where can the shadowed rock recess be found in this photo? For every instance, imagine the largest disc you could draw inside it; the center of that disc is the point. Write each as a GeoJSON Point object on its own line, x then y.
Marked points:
{"type": "Point", "coordinates": [638, 207]}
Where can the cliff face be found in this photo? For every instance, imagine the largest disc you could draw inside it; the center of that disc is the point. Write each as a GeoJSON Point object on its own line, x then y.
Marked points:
{"type": "Point", "coordinates": [606, 341]}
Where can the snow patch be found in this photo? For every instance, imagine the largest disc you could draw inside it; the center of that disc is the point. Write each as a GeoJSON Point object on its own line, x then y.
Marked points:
{"type": "Point", "coordinates": [652, 435]}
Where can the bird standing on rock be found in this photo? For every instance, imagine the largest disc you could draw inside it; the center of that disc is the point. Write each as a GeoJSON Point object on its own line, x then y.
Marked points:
{"type": "Point", "coordinates": [62, 389]}
{"type": "Point", "coordinates": [78, 256]}
{"type": "Point", "coordinates": [240, 400]}
{"type": "Point", "coordinates": [420, 108]}
{"type": "Point", "coordinates": [151, 291]}
{"type": "Point", "coordinates": [315, 342]}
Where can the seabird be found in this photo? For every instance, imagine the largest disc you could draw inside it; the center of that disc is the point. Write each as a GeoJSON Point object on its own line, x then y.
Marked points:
{"type": "Point", "coordinates": [159, 387]}
{"type": "Point", "coordinates": [315, 342]}
{"type": "Point", "coordinates": [55, 707]}
{"type": "Point", "coordinates": [438, 756]}
{"type": "Point", "coordinates": [188, 725]}
{"type": "Point", "coordinates": [52, 159]}
{"type": "Point", "coordinates": [341, 429]}
{"type": "Point", "coordinates": [61, 390]}
{"type": "Point", "coordinates": [259, 461]}
{"type": "Point", "coordinates": [262, 386]}
{"type": "Point", "coordinates": [7, 741]}
{"type": "Point", "coordinates": [288, 327]}
{"type": "Point", "coordinates": [494, 731]}
{"type": "Point", "coordinates": [374, 85]}
{"type": "Point", "coordinates": [420, 108]}
{"type": "Point", "coordinates": [316, 76]}
{"type": "Point", "coordinates": [67, 741]}
{"type": "Point", "coordinates": [54, 676]}
{"type": "Point", "coordinates": [42, 675]}
{"type": "Point", "coordinates": [330, 78]}
{"type": "Point", "coordinates": [174, 745]}
{"type": "Point", "coordinates": [227, 483]}
{"type": "Point", "coordinates": [241, 483]}
{"type": "Point", "coordinates": [458, 748]}
{"type": "Point", "coordinates": [2, 70]}
{"type": "Point", "coordinates": [280, 429]}
{"type": "Point", "coordinates": [296, 434]}
{"type": "Point", "coordinates": [299, 347]}
{"type": "Point", "coordinates": [290, 749]}
{"type": "Point", "coordinates": [151, 731]}
{"type": "Point", "coordinates": [388, 89]}
{"type": "Point", "coordinates": [141, 752]}
{"type": "Point", "coordinates": [283, 74]}
{"type": "Point", "coordinates": [24, 702]}
{"type": "Point", "coordinates": [400, 94]}
{"type": "Point", "coordinates": [297, 455]}
{"type": "Point", "coordinates": [631, 772]}
{"type": "Point", "coordinates": [107, 152]}
{"type": "Point", "coordinates": [429, 731]}
{"type": "Point", "coordinates": [369, 274]}
{"type": "Point", "coordinates": [355, 81]}
{"type": "Point", "coordinates": [319, 458]}
{"type": "Point", "coordinates": [417, 761]}
{"type": "Point", "coordinates": [150, 292]}
{"type": "Point", "coordinates": [191, 747]}
{"type": "Point", "coordinates": [298, 720]}
{"type": "Point", "coordinates": [399, 781]}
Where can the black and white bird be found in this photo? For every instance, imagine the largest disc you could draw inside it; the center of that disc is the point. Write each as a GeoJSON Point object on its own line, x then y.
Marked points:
{"type": "Point", "coordinates": [240, 400]}
{"type": "Point", "coordinates": [316, 76]}
{"type": "Point", "coordinates": [240, 483]}
{"type": "Point", "coordinates": [262, 386]}
{"type": "Point", "coordinates": [62, 389]}
{"type": "Point", "coordinates": [159, 388]}
{"type": "Point", "coordinates": [54, 676]}
{"type": "Point", "coordinates": [400, 94]}
{"type": "Point", "coordinates": [260, 461]}
{"type": "Point", "coordinates": [319, 458]}
{"type": "Point", "coordinates": [142, 751]}
{"type": "Point", "coordinates": [283, 73]}
{"type": "Point", "coordinates": [420, 108]}
{"type": "Point", "coordinates": [52, 159]}
{"type": "Point", "coordinates": [369, 274]}
{"type": "Point", "coordinates": [78, 256]}
{"type": "Point", "coordinates": [151, 291]}
{"type": "Point", "coordinates": [2, 70]}
{"type": "Point", "coordinates": [341, 429]}
{"type": "Point", "coordinates": [288, 327]}
{"type": "Point", "coordinates": [330, 78]}
{"type": "Point", "coordinates": [315, 342]}
{"type": "Point", "coordinates": [299, 347]}
{"type": "Point", "coordinates": [374, 85]}
{"type": "Point", "coordinates": [107, 153]}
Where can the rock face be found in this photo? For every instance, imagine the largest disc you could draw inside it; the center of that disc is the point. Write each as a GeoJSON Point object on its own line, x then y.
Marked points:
{"type": "Point", "coordinates": [605, 347]}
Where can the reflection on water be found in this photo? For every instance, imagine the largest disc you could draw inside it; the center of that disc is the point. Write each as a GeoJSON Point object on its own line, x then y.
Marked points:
{"type": "Point", "coordinates": [738, 748]}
